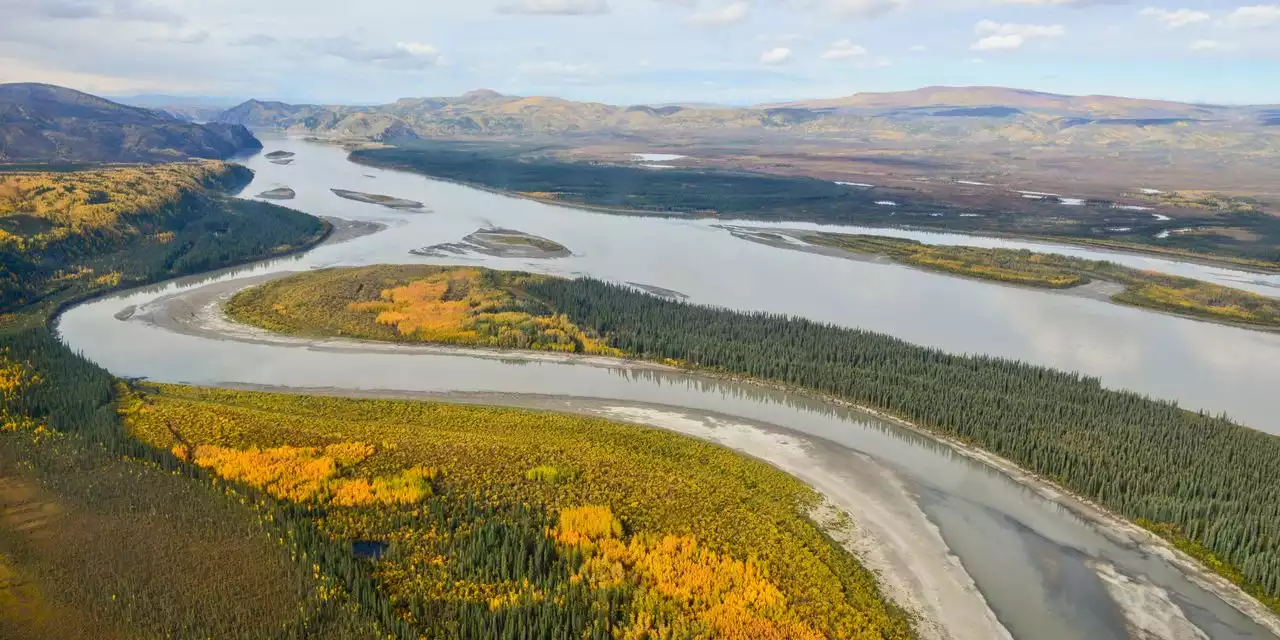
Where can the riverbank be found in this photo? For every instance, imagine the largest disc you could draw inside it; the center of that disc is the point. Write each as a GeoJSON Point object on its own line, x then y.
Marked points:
{"type": "Point", "coordinates": [1110, 524]}
{"type": "Point", "coordinates": [1206, 259]}
{"type": "Point", "coordinates": [1099, 280]}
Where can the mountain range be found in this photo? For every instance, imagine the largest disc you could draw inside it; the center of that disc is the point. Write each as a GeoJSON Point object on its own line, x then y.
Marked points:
{"type": "Point", "coordinates": [46, 123]}
{"type": "Point", "coordinates": [942, 115]}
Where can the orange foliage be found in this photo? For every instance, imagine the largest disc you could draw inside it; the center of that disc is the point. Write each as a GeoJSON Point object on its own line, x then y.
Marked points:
{"type": "Point", "coordinates": [290, 473]}
{"type": "Point", "coordinates": [95, 201]}
{"type": "Point", "coordinates": [586, 524]}
{"type": "Point", "coordinates": [407, 487]}
{"type": "Point", "coordinates": [729, 597]}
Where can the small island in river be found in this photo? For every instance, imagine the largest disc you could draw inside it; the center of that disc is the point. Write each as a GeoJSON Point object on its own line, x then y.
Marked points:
{"type": "Point", "coordinates": [379, 199]}
{"type": "Point", "coordinates": [279, 155]}
{"type": "Point", "coordinates": [279, 193]}
{"type": "Point", "coordinates": [499, 243]}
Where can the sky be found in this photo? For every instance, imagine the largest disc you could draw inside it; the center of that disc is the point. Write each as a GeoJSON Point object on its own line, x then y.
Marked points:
{"type": "Point", "coordinates": [642, 51]}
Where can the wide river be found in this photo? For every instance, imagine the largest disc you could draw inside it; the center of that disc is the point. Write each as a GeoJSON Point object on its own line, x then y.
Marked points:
{"type": "Point", "coordinates": [1044, 572]}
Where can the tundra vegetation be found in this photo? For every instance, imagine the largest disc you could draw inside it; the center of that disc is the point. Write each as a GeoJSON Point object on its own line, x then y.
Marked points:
{"type": "Point", "coordinates": [1212, 487]}
{"type": "Point", "coordinates": [167, 511]}
{"type": "Point", "coordinates": [1150, 289]}
{"type": "Point", "coordinates": [499, 522]}
{"type": "Point", "coordinates": [63, 233]}
{"type": "Point", "coordinates": [101, 536]}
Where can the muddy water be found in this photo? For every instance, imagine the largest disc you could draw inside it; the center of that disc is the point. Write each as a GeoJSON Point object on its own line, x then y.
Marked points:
{"type": "Point", "coordinates": [1040, 567]}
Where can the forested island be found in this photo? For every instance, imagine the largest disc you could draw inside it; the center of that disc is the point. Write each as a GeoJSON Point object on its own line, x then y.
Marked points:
{"type": "Point", "coordinates": [1150, 289]}
{"type": "Point", "coordinates": [1212, 487]}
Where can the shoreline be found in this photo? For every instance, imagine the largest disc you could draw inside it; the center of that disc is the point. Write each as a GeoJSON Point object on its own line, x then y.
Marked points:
{"type": "Point", "coordinates": [1109, 524]}
{"type": "Point", "coordinates": [1098, 289]}
{"type": "Point", "coordinates": [1226, 262]}
{"type": "Point", "coordinates": [867, 510]}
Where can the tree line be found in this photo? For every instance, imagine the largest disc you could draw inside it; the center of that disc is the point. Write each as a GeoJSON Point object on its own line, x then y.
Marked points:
{"type": "Point", "coordinates": [1217, 483]}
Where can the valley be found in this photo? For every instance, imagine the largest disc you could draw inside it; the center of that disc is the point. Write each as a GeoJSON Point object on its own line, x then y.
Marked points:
{"type": "Point", "coordinates": [388, 372]}
{"type": "Point", "coordinates": [577, 378]}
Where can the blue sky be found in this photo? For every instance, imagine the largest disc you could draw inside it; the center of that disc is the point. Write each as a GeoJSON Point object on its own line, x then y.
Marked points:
{"type": "Point", "coordinates": [643, 51]}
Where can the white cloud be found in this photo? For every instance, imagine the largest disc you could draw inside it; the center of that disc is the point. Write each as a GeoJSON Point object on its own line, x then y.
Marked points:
{"type": "Point", "coordinates": [864, 8]}
{"type": "Point", "coordinates": [999, 43]}
{"type": "Point", "coordinates": [993, 28]}
{"type": "Point", "coordinates": [1007, 36]}
{"type": "Point", "coordinates": [1211, 46]}
{"type": "Point", "coordinates": [556, 7]}
{"type": "Point", "coordinates": [778, 55]}
{"type": "Point", "coordinates": [728, 14]}
{"type": "Point", "coordinates": [918, 48]}
{"type": "Point", "coordinates": [1259, 15]}
{"type": "Point", "coordinates": [402, 56]}
{"type": "Point", "coordinates": [843, 50]}
{"type": "Point", "coordinates": [1174, 18]}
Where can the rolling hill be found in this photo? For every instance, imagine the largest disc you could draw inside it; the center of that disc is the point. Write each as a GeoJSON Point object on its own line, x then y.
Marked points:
{"type": "Point", "coordinates": [46, 123]}
{"type": "Point", "coordinates": [931, 118]}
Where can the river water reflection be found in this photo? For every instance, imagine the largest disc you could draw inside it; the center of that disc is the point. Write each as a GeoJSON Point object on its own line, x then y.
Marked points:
{"type": "Point", "coordinates": [1034, 561]}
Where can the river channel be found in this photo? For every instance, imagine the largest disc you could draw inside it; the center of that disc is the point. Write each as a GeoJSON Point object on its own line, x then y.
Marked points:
{"type": "Point", "coordinates": [1045, 572]}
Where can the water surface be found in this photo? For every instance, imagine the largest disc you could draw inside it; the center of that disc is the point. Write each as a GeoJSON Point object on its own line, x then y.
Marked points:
{"type": "Point", "coordinates": [1033, 560]}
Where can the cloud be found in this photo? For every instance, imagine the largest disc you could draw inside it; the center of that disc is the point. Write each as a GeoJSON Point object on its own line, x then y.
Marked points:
{"type": "Point", "coordinates": [550, 68]}
{"type": "Point", "coordinates": [1259, 15]}
{"type": "Point", "coordinates": [779, 55]}
{"type": "Point", "coordinates": [255, 40]}
{"type": "Point", "coordinates": [124, 10]}
{"type": "Point", "coordinates": [195, 37]}
{"type": "Point", "coordinates": [67, 10]}
{"type": "Point", "coordinates": [864, 8]}
{"type": "Point", "coordinates": [556, 7]}
{"type": "Point", "coordinates": [843, 50]}
{"type": "Point", "coordinates": [918, 48]}
{"type": "Point", "coordinates": [728, 14]}
{"type": "Point", "coordinates": [1210, 46]}
{"type": "Point", "coordinates": [142, 11]}
{"type": "Point", "coordinates": [1061, 3]}
{"type": "Point", "coordinates": [1175, 18]}
{"type": "Point", "coordinates": [402, 56]}
{"type": "Point", "coordinates": [1007, 36]}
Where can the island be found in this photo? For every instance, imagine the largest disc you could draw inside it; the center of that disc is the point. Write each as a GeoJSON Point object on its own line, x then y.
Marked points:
{"type": "Point", "coordinates": [378, 199]}
{"type": "Point", "coordinates": [500, 243]}
{"type": "Point", "coordinates": [279, 193]}
{"type": "Point", "coordinates": [279, 155]}
{"type": "Point", "coordinates": [1136, 287]}
{"type": "Point", "coordinates": [1015, 410]}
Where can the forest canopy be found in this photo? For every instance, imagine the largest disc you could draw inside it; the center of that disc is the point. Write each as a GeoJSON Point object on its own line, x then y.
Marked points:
{"type": "Point", "coordinates": [1212, 486]}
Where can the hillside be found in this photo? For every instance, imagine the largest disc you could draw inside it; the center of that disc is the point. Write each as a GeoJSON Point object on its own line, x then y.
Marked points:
{"type": "Point", "coordinates": [1021, 99]}
{"type": "Point", "coordinates": [487, 112]}
{"type": "Point", "coordinates": [45, 123]}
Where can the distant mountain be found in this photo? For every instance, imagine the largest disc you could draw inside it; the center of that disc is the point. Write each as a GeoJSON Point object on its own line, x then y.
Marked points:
{"type": "Point", "coordinates": [40, 122]}
{"type": "Point", "coordinates": [1022, 99]}
{"type": "Point", "coordinates": [932, 118]}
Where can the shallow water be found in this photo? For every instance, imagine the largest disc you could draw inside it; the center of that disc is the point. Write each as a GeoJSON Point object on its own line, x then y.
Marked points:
{"type": "Point", "coordinates": [1031, 558]}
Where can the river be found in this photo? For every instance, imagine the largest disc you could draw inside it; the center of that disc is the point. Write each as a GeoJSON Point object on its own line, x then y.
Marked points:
{"type": "Point", "coordinates": [1044, 572]}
